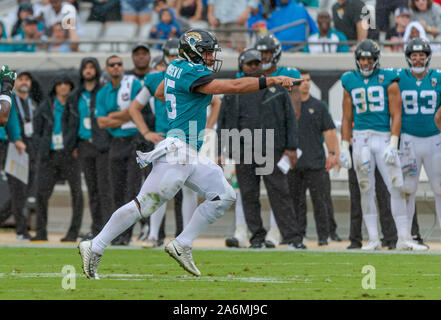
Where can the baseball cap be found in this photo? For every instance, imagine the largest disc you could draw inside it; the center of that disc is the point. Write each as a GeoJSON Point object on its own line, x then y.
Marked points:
{"type": "Point", "coordinates": [401, 11]}
{"type": "Point", "coordinates": [140, 45]}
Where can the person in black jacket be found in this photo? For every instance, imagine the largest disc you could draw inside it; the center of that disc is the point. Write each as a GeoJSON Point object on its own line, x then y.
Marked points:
{"type": "Point", "coordinates": [55, 129]}
{"type": "Point", "coordinates": [25, 106]}
{"type": "Point", "coordinates": [268, 109]}
{"type": "Point", "coordinates": [93, 145]}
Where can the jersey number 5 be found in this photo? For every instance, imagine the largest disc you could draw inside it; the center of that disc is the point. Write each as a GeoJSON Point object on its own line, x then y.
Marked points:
{"type": "Point", "coordinates": [170, 98]}
{"type": "Point", "coordinates": [373, 98]}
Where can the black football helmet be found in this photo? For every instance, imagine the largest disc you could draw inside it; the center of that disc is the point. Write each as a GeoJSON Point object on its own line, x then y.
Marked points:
{"type": "Point", "coordinates": [194, 42]}
{"type": "Point", "coordinates": [170, 48]}
{"type": "Point", "coordinates": [269, 42]}
{"type": "Point", "coordinates": [418, 45]}
{"type": "Point", "coordinates": [367, 49]}
{"type": "Point", "coordinates": [248, 56]}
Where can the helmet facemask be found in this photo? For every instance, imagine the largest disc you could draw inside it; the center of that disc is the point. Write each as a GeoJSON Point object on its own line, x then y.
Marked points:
{"type": "Point", "coordinates": [366, 54]}
{"type": "Point", "coordinates": [418, 70]}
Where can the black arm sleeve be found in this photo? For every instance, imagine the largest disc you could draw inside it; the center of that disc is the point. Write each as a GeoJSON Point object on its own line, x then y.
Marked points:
{"type": "Point", "coordinates": [291, 124]}
{"type": "Point", "coordinates": [201, 81]}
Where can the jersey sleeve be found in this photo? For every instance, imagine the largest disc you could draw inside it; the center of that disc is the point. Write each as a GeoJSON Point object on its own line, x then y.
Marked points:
{"type": "Point", "coordinates": [390, 76]}
{"type": "Point", "coordinates": [195, 76]}
{"type": "Point", "coordinates": [346, 80]}
{"type": "Point", "coordinates": [292, 73]}
{"type": "Point", "coordinates": [136, 87]}
{"type": "Point", "coordinates": [13, 125]}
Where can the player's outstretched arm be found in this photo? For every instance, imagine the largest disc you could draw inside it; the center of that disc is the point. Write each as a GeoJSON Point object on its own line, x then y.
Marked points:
{"type": "Point", "coordinates": [438, 119]}
{"type": "Point", "coordinates": [245, 85]}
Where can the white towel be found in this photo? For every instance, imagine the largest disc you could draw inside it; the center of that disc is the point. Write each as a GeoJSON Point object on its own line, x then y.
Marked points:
{"type": "Point", "coordinates": [123, 98]}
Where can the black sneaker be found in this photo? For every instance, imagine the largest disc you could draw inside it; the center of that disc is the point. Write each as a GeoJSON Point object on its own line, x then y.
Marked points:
{"type": "Point", "coordinates": [69, 238]}
{"type": "Point", "coordinates": [258, 245]}
{"type": "Point", "coordinates": [354, 245]}
{"type": "Point", "coordinates": [39, 237]}
{"type": "Point", "coordinates": [323, 242]}
{"type": "Point", "coordinates": [298, 245]}
{"type": "Point", "coordinates": [232, 242]}
{"type": "Point", "coordinates": [335, 237]}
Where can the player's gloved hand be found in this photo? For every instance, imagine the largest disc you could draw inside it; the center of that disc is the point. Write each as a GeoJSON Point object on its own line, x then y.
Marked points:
{"type": "Point", "coordinates": [7, 80]}
{"type": "Point", "coordinates": [390, 155]}
{"type": "Point", "coordinates": [345, 155]}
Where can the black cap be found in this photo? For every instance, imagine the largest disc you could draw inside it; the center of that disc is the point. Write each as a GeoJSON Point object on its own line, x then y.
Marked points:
{"type": "Point", "coordinates": [29, 20]}
{"type": "Point", "coordinates": [140, 45]}
{"type": "Point", "coordinates": [251, 55]}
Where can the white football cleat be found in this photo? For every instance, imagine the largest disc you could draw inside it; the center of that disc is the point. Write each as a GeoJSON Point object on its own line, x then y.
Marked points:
{"type": "Point", "coordinates": [241, 234]}
{"type": "Point", "coordinates": [91, 260]}
{"type": "Point", "coordinates": [183, 256]}
{"type": "Point", "coordinates": [372, 245]}
{"type": "Point", "coordinates": [150, 243]}
{"type": "Point", "coordinates": [411, 245]}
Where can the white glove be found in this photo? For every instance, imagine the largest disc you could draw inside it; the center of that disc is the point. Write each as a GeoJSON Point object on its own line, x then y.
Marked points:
{"type": "Point", "coordinates": [390, 155]}
{"type": "Point", "coordinates": [345, 155]}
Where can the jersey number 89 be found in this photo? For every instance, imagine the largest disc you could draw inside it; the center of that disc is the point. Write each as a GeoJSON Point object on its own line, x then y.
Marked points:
{"type": "Point", "coordinates": [372, 97]}
{"type": "Point", "coordinates": [410, 101]}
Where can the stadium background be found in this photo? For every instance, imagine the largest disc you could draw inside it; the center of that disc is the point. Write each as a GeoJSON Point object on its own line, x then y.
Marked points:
{"type": "Point", "coordinates": [325, 69]}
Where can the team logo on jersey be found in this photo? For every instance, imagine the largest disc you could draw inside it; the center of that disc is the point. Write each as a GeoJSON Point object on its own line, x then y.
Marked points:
{"type": "Point", "coordinates": [418, 83]}
{"type": "Point", "coordinates": [381, 78]}
{"type": "Point", "coordinates": [366, 81]}
{"type": "Point", "coordinates": [434, 82]}
{"type": "Point", "coordinates": [272, 89]}
{"type": "Point", "coordinates": [125, 97]}
{"type": "Point", "coordinates": [311, 110]}
{"type": "Point", "coordinates": [193, 37]}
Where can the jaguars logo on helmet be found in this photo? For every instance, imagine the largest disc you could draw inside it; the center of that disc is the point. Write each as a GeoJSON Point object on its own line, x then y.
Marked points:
{"type": "Point", "coordinates": [194, 42]}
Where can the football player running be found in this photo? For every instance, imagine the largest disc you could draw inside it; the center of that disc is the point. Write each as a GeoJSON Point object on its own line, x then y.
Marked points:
{"type": "Point", "coordinates": [7, 80]}
{"type": "Point", "coordinates": [372, 102]}
{"type": "Point", "coordinates": [420, 142]}
{"type": "Point", "coordinates": [187, 90]}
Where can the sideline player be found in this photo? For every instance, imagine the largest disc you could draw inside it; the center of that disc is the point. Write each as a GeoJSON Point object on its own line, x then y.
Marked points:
{"type": "Point", "coordinates": [7, 79]}
{"type": "Point", "coordinates": [421, 123]}
{"type": "Point", "coordinates": [372, 101]}
{"type": "Point", "coordinates": [187, 90]}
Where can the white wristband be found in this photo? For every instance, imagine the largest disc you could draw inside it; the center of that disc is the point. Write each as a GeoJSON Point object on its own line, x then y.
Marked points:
{"type": "Point", "coordinates": [5, 98]}
{"type": "Point", "coordinates": [345, 145]}
{"type": "Point", "coordinates": [394, 142]}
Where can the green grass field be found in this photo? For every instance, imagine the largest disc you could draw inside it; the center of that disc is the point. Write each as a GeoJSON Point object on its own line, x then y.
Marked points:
{"type": "Point", "coordinates": [36, 273]}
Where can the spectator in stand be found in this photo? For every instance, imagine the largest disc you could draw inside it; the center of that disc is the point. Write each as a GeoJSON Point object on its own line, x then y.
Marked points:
{"type": "Point", "coordinates": [232, 14]}
{"type": "Point", "coordinates": [326, 34]}
{"type": "Point", "coordinates": [25, 10]}
{"type": "Point", "coordinates": [138, 11]}
{"type": "Point", "coordinates": [189, 9]}
{"type": "Point", "coordinates": [157, 7]}
{"type": "Point", "coordinates": [105, 10]}
{"type": "Point", "coordinates": [416, 30]}
{"type": "Point", "coordinates": [37, 9]}
{"type": "Point", "coordinates": [60, 34]}
{"type": "Point", "coordinates": [167, 28]}
{"type": "Point", "coordinates": [383, 10]}
{"type": "Point", "coordinates": [59, 11]}
{"type": "Point", "coordinates": [428, 14]}
{"type": "Point", "coordinates": [257, 20]}
{"type": "Point", "coordinates": [30, 29]}
{"type": "Point", "coordinates": [287, 12]}
{"type": "Point", "coordinates": [4, 36]}
{"type": "Point", "coordinates": [347, 16]}
{"type": "Point", "coordinates": [402, 18]}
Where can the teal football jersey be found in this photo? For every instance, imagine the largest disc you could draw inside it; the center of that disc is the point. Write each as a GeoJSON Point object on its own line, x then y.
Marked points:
{"type": "Point", "coordinates": [152, 81]}
{"type": "Point", "coordinates": [186, 110]}
{"type": "Point", "coordinates": [420, 100]}
{"type": "Point", "coordinates": [370, 101]}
